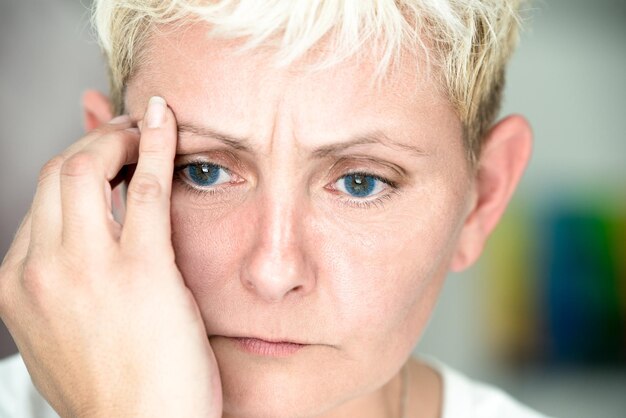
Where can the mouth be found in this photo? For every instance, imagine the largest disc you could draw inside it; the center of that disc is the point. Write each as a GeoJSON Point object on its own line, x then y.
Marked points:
{"type": "Point", "coordinates": [266, 348]}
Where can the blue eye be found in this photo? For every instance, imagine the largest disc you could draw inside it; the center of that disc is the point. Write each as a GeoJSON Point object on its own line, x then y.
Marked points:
{"type": "Point", "coordinates": [361, 184]}
{"type": "Point", "coordinates": [204, 174]}
{"type": "Point", "coordinates": [200, 177]}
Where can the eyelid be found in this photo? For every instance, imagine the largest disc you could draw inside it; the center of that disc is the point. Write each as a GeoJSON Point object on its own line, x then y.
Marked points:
{"type": "Point", "coordinates": [381, 178]}
{"type": "Point", "coordinates": [223, 158]}
{"type": "Point", "coordinates": [366, 164]}
{"type": "Point", "coordinates": [180, 166]}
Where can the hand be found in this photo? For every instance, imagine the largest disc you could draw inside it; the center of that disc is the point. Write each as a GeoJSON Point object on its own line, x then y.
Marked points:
{"type": "Point", "coordinates": [99, 311]}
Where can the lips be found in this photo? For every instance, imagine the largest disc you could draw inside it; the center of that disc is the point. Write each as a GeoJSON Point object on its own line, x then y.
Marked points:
{"type": "Point", "coordinates": [266, 348]}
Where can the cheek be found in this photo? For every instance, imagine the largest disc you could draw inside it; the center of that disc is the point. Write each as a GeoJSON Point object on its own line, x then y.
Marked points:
{"type": "Point", "coordinates": [383, 274]}
{"type": "Point", "coordinates": [387, 274]}
{"type": "Point", "coordinates": [206, 242]}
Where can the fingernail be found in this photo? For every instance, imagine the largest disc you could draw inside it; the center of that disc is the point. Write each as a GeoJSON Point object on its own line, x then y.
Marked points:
{"type": "Point", "coordinates": [156, 112]}
{"type": "Point", "coordinates": [134, 130]}
{"type": "Point", "coordinates": [120, 119]}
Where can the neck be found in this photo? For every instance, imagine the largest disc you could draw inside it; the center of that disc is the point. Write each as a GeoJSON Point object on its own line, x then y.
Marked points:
{"type": "Point", "coordinates": [383, 402]}
{"type": "Point", "coordinates": [424, 394]}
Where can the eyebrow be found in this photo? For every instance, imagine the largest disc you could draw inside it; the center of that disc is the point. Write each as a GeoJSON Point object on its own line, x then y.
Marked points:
{"type": "Point", "coordinates": [244, 144]}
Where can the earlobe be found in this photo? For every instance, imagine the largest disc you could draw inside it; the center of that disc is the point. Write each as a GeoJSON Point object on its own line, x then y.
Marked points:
{"type": "Point", "coordinates": [96, 109]}
{"type": "Point", "coordinates": [504, 157]}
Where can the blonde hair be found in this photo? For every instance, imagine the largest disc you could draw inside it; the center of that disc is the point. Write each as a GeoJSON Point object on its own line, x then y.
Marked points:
{"type": "Point", "coordinates": [470, 40]}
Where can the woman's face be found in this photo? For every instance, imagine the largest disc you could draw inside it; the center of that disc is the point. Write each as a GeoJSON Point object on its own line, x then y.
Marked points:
{"type": "Point", "coordinates": [278, 241]}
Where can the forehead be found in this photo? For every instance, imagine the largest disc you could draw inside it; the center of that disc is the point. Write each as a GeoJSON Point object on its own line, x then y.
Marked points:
{"type": "Point", "coordinates": [206, 79]}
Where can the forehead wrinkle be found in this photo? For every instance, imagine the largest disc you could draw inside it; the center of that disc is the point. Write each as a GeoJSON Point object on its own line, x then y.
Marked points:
{"type": "Point", "coordinates": [238, 143]}
{"type": "Point", "coordinates": [247, 145]}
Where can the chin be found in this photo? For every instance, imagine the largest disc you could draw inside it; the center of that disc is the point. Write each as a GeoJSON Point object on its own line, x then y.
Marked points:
{"type": "Point", "coordinates": [269, 397]}
{"type": "Point", "coordinates": [258, 387]}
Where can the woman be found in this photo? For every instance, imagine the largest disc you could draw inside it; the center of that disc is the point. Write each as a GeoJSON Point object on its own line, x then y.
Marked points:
{"type": "Point", "coordinates": [326, 177]}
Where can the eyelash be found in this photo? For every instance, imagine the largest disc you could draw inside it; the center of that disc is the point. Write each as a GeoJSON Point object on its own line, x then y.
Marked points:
{"type": "Point", "coordinates": [358, 203]}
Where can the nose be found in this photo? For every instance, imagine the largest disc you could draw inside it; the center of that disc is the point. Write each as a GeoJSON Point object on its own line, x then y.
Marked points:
{"type": "Point", "coordinates": [277, 265]}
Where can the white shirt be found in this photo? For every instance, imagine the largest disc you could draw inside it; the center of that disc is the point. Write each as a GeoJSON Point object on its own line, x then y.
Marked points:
{"type": "Point", "coordinates": [462, 397]}
{"type": "Point", "coordinates": [465, 398]}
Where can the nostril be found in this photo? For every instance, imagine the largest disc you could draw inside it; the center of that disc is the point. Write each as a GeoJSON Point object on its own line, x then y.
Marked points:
{"type": "Point", "coordinates": [297, 289]}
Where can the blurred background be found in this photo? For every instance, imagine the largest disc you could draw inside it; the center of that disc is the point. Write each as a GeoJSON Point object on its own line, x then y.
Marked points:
{"type": "Point", "coordinates": [543, 314]}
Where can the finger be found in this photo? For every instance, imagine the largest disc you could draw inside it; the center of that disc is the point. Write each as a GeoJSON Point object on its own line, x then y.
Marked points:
{"type": "Point", "coordinates": [46, 208]}
{"type": "Point", "coordinates": [46, 223]}
{"type": "Point", "coordinates": [115, 124]}
{"type": "Point", "coordinates": [86, 192]}
{"type": "Point", "coordinates": [147, 222]}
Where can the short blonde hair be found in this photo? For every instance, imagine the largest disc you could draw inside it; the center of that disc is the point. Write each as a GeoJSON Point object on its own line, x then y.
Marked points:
{"type": "Point", "coordinates": [470, 40]}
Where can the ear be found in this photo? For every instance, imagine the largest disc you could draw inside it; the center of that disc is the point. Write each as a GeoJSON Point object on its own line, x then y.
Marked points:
{"type": "Point", "coordinates": [504, 156]}
{"type": "Point", "coordinates": [97, 109]}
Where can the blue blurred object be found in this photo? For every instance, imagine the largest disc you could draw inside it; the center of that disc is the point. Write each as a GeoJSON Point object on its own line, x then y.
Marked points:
{"type": "Point", "coordinates": [584, 317]}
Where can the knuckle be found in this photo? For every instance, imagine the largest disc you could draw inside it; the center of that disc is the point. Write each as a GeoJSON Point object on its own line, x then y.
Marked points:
{"type": "Point", "coordinates": [79, 164]}
{"type": "Point", "coordinates": [144, 187]}
{"type": "Point", "coordinates": [33, 278]}
{"type": "Point", "coordinates": [50, 168]}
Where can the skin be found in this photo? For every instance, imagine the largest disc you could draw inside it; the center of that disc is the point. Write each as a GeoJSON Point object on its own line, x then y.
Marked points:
{"type": "Point", "coordinates": [278, 254]}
